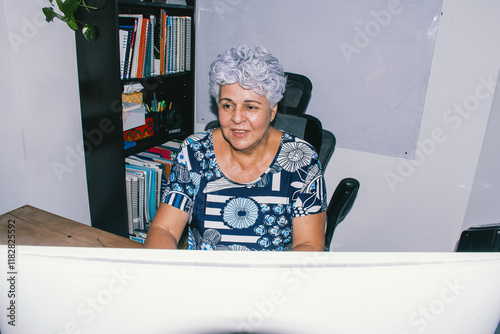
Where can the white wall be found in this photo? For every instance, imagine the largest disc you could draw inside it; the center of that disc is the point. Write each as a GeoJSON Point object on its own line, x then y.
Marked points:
{"type": "Point", "coordinates": [422, 206]}
{"type": "Point", "coordinates": [426, 211]}
{"type": "Point", "coordinates": [40, 122]}
{"type": "Point", "coordinates": [483, 205]}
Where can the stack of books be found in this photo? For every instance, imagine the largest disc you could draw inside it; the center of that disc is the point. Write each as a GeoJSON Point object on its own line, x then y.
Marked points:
{"type": "Point", "coordinates": [146, 177]}
{"type": "Point", "coordinates": [149, 47]}
{"type": "Point", "coordinates": [175, 43]}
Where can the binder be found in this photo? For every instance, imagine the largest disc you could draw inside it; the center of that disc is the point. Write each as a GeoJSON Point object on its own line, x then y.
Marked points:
{"type": "Point", "coordinates": [129, 24]}
{"type": "Point", "coordinates": [142, 48]}
{"type": "Point", "coordinates": [136, 44]}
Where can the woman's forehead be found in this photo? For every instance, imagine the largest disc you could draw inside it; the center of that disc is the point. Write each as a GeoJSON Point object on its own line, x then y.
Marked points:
{"type": "Point", "coordinates": [236, 93]}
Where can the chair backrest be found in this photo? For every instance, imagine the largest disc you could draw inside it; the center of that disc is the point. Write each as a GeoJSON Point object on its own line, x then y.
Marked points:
{"type": "Point", "coordinates": [296, 96]}
{"type": "Point", "coordinates": [328, 142]}
{"type": "Point", "coordinates": [212, 125]}
{"type": "Point", "coordinates": [304, 126]}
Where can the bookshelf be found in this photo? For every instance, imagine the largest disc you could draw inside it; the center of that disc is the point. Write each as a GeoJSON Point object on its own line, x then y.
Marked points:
{"type": "Point", "coordinates": [100, 99]}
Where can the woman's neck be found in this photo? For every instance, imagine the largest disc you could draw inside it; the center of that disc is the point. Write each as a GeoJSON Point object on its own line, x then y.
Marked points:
{"type": "Point", "coordinates": [246, 166]}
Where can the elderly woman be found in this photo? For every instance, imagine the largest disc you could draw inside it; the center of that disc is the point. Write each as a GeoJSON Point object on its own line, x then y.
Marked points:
{"type": "Point", "coordinates": [244, 185]}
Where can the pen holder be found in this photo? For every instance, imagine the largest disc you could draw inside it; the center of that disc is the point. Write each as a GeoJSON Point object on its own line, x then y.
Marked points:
{"type": "Point", "coordinates": [157, 123]}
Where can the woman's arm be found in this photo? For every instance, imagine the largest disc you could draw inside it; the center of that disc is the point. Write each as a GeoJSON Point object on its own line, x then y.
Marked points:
{"type": "Point", "coordinates": [309, 233]}
{"type": "Point", "coordinates": [166, 228]}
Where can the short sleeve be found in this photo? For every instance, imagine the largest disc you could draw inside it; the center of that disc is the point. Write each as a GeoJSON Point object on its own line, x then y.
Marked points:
{"type": "Point", "coordinates": [183, 181]}
{"type": "Point", "coordinates": [307, 182]}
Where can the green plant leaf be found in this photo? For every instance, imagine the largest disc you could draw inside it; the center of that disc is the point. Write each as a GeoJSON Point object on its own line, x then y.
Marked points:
{"type": "Point", "coordinates": [84, 5]}
{"type": "Point", "coordinates": [49, 13]}
{"type": "Point", "coordinates": [88, 32]}
{"type": "Point", "coordinates": [72, 23]}
{"type": "Point", "coordinates": [68, 7]}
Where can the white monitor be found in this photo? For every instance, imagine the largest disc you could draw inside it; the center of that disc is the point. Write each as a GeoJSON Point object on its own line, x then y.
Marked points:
{"type": "Point", "coordinates": [101, 290]}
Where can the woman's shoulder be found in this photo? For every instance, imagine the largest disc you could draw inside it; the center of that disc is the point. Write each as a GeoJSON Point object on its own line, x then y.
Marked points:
{"type": "Point", "coordinates": [295, 154]}
{"type": "Point", "coordinates": [195, 138]}
{"type": "Point", "coordinates": [288, 137]}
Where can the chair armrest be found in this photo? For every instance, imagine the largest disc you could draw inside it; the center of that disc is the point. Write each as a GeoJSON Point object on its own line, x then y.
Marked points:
{"type": "Point", "coordinates": [339, 206]}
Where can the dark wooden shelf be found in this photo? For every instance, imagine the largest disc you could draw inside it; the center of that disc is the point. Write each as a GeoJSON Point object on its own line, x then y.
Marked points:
{"type": "Point", "coordinates": [149, 4]}
{"type": "Point", "coordinates": [144, 144]}
{"type": "Point", "coordinates": [158, 77]}
{"type": "Point", "coordinates": [100, 98]}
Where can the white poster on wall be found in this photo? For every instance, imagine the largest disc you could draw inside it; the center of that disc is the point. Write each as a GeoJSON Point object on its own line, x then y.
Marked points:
{"type": "Point", "coordinates": [369, 61]}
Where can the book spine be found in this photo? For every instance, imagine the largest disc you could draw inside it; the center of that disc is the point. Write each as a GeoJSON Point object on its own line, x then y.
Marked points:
{"type": "Point", "coordinates": [137, 47]}
{"type": "Point", "coordinates": [123, 36]}
{"type": "Point", "coordinates": [183, 45]}
{"type": "Point", "coordinates": [162, 40]}
{"type": "Point", "coordinates": [142, 48]}
{"type": "Point", "coordinates": [168, 51]}
{"type": "Point", "coordinates": [188, 43]}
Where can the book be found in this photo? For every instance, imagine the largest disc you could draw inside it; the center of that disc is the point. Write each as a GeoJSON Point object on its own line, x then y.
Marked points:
{"type": "Point", "coordinates": [123, 36]}
{"type": "Point", "coordinates": [136, 44]}
{"type": "Point", "coordinates": [188, 43]}
{"type": "Point", "coordinates": [164, 152]}
{"type": "Point", "coordinates": [138, 239]}
{"type": "Point", "coordinates": [146, 179]}
{"type": "Point", "coordinates": [142, 48]}
{"type": "Point", "coordinates": [149, 60]}
{"type": "Point", "coordinates": [175, 43]}
{"type": "Point", "coordinates": [132, 188]}
{"type": "Point", "coordinates": [151, 173]}
{"type": "Point", "coordinates": [163, 24]}
{"type": "Point", "coordinates": [129, 24]}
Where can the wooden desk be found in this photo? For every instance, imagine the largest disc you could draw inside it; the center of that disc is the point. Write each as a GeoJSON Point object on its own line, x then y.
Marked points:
{"type": "Point", "coordinates": [35, 227]}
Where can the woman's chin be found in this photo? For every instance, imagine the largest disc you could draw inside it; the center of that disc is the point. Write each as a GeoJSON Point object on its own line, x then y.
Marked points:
{"type": "Point", "coordinates": [239, 146]}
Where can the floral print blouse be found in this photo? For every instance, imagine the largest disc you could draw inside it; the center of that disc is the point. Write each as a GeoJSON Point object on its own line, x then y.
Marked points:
{"type": "Point", "coordinates": [227, 215]}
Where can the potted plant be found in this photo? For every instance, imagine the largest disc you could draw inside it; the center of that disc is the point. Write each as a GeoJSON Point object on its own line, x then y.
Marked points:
{"type": "Point", "coordinates": [68, 9]}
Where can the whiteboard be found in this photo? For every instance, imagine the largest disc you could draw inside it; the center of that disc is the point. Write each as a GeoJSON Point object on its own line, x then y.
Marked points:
{"type": "Point", "coordinates": [369, 61]}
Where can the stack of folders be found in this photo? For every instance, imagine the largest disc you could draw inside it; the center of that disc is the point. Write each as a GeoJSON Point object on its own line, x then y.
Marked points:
{"type": "Point", "coordinates": [150, 47]}
{"type": "Point", "coordinates": [146, 177]}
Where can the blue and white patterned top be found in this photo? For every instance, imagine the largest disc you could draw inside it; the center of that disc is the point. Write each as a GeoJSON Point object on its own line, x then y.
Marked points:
{"type": "Point", "coordinates": [227, 215]}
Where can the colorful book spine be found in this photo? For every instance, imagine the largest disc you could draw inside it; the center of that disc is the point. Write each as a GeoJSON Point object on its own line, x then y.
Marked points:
{"type": "Point", "coordinates": [143, 41]}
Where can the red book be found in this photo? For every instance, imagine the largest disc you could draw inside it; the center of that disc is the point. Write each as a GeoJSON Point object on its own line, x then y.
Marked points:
{"type": "Point", "coordinates": [142, 48]}
{"type": "Point", "coordinates": [163, 152]}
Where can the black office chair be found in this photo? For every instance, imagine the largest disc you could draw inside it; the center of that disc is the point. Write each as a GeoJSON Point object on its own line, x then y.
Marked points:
{"type": "Point", "coordinates": [310, 129]}
{"type": "Point", "coordinates": [297, 94]}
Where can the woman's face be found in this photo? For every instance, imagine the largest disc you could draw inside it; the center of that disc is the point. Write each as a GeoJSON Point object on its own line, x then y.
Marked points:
{"type": "Point", "coordinates": [244, 117]}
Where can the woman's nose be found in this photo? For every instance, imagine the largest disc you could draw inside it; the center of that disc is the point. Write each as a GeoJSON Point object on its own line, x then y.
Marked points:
{"type": "Point", "coordinates": [238, 115]}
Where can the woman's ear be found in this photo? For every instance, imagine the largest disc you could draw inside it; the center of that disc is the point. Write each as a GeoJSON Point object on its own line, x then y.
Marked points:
{"type": "Point", "coordinates": [274, 111]}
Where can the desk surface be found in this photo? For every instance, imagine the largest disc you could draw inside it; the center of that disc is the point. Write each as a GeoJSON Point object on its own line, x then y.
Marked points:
{"type": "Point", "coordinates": [35, 227]}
